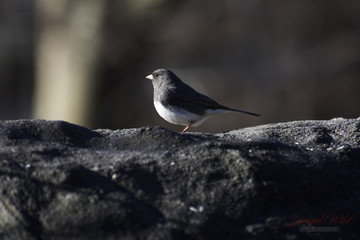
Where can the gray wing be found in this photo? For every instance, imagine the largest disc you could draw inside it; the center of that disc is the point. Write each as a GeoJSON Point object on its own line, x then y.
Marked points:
{"type": "Point", "coordinates": [186, 96]}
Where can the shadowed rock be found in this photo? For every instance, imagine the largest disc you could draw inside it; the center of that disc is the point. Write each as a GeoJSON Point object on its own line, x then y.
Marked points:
{"type": "Point", "coordinates": [63, 181]}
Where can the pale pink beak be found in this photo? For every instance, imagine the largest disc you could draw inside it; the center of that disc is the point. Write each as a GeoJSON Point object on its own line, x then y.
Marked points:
{"type": "Point", "coordinates": [150, 77]}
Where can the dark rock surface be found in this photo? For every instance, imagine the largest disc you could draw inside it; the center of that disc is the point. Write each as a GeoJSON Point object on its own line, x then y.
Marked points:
{"type": "Point", "coordinates": [63, 181]}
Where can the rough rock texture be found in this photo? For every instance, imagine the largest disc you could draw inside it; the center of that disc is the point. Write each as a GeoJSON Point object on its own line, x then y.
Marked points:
{"type": "Point", "coordinates": [63, 181]}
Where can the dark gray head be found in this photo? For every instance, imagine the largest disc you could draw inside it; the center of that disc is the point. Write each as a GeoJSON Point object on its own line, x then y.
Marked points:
{"type": "Point", "coordinates": [163, 78]}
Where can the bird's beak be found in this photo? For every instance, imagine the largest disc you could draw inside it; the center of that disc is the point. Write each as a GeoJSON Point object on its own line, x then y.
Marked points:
{"type": "Point", "coordinates": [150, 77]}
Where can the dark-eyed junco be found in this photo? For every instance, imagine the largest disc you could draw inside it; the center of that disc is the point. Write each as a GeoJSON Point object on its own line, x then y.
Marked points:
{"type": "Point", "coordinates": [178, 103]}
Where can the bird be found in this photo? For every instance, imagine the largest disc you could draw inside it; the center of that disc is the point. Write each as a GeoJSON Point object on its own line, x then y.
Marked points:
{"type": "Point", "coordinates": [180, 104]}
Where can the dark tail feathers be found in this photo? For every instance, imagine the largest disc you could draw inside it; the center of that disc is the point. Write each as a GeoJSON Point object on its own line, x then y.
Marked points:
{"type": "Point", "coordinates": [241, 111]}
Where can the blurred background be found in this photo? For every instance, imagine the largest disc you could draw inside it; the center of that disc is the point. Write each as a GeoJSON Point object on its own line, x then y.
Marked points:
{"type": "Point", "coordinates": [85, 61]}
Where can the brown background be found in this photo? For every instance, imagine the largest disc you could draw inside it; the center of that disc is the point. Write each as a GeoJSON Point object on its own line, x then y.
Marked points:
{"type": "Point", "coordinates": [287, 60]}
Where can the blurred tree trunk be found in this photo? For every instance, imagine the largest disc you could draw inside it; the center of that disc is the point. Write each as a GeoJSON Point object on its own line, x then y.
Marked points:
{"type": "Point", "coordinates": [67, 50]}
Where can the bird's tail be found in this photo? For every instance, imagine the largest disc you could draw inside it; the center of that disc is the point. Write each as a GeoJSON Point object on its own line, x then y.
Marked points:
{"type": "Point", "coordinates": [241, 111]}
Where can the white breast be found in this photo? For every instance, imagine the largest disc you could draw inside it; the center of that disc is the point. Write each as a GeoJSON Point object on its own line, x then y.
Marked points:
{"type": "Point", "coordinates": [182, 117]}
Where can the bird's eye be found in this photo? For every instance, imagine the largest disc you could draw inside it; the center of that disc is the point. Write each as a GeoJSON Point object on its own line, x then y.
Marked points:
{"type": "Point", "coordinates": [156, 75]}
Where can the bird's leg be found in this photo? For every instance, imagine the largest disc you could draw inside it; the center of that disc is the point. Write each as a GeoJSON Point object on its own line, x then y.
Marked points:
{"type": "Point", "coordinates": [187, 127]}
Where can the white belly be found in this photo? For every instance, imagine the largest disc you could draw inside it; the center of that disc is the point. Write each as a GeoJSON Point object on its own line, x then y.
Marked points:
{"type": "Point", "coordinates": [182, 117]}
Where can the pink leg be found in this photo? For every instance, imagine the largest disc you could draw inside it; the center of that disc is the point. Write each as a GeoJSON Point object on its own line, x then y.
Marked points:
{"type": "Point", "coordinates": [186, 129]}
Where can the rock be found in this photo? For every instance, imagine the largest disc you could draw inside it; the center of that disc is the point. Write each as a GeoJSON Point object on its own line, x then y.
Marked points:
{"type": "Point", "coordinates": [63, 181]}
